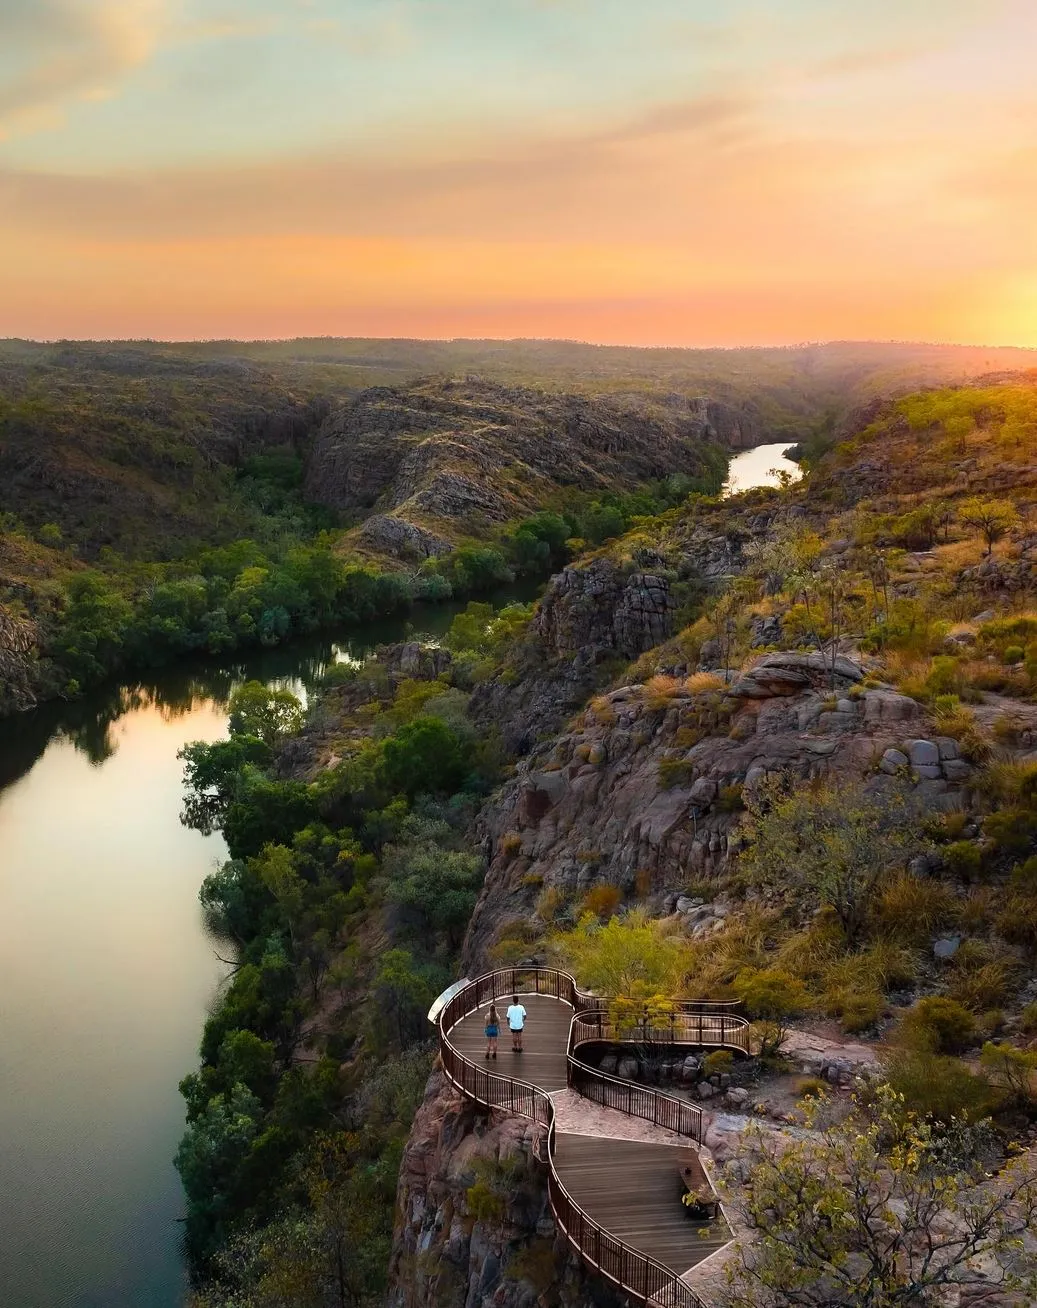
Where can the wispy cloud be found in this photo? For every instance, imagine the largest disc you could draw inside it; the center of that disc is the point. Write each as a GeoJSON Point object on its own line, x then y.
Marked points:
{"type": "Point", "coordinates": [57, 52]}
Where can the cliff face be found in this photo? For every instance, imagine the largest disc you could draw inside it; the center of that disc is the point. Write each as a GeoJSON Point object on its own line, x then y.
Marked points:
{"type": "Point", "coordinates": [459, 457]}
{"type": "Point", "coordinates": [474, 1227]}
{"type": "Point", "coordinates": [644, 789]}
{"type": "Point", "coordinates": [19, 650]}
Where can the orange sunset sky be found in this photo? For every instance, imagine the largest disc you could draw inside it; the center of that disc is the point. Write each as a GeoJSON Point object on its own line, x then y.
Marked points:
{"type": "Point", "coordinates": [687, 172]}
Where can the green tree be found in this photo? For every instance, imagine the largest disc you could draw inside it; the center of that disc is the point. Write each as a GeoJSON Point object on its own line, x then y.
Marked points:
{"type": "Point", "coordinates": [435, 889]}
{"type": "Point", "coordinates": [991, 518]}
{"type": "Point", "coordinates": [876, 1211]}
{"type": "Point", "coordinates": [425, 757]}
{"type": "Point", "coordinates": [264, 713]}
{"type": "Point", "coordinates": [832, 846]}
{"type": "Point", "coordinates": [212, 773]}
{"type": "Point", "coordinates": [770, 996]}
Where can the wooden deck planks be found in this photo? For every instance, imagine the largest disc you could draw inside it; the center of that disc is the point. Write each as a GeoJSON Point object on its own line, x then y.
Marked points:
{"type": "Point", "coordinates": [542, 1061]}
{"type": "Point", "coordinates": [633, 1191]}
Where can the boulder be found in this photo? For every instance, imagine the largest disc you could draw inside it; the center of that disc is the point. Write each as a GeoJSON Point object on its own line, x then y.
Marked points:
{"type": "Point", "coordinates": [608, 1064]}
{"type": "Point", "coordinates": [704, 1090]}
{"type": "Point", "coordinates": [893, 760]}
{"type": "Point", "coordinates": [737, 1098]}
{"type": "Point", "coordinates": [947, 947]}
{"type": "Point", "coordinates": [703, 792]}
{"type": "Point", "coordinates": [923, 753]}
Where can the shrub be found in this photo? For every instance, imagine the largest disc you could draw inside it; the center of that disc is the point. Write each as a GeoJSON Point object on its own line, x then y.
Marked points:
{"type": "Point", "coordinates": [860, 1012]}
{"type": "Point", "coordinates": [660, 691]}
{"type": "Point", "coordinates": [811, 1087]}
{"type": "Point", "coordinates": [720, 1060]}
{"type": "Point", "coordinates": [982, 985]}
{"type": "Point", "coordinates": [729, 799]}
{"type": "Point", "coordinates": [511, 843]}
{"type": "Point", "coordinates": [963, 859]}
{"type": "Point", "coordinates": [1028, 1019]}
{"type": "Point", "coordinates": [1024, 875]}
{"type": "Point", "coordinates": [675, 772]}
{"type": "Point", "coordinates": [1017, 923]}
{"type": "Point", "coordinates": [937, 1025]}
{"type": "Point", "coordinates": [602, 901]}
{"type": "Point", "coordinates": [1014, 654]}
{"type": "Point", "coordinates": [1012, 830]}
{"type": "Point", "coordinates": [938, 1087]}
{"type": "Point", "coordinates": [771, 996]}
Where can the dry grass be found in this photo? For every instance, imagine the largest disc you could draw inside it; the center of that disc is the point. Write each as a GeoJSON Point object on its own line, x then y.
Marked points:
{"type": "Point", "coordinates": [699, 682]}
{"type": "Point", "coordinates": [660, 691]}
{"type": "Point", "coordinates": [911, 908]}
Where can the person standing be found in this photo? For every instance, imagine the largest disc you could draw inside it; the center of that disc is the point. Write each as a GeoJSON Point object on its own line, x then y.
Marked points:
{"type": "Point", "coordinates": [492, 1031]}
{"type": "Point", "coordinates": [516, 1021]}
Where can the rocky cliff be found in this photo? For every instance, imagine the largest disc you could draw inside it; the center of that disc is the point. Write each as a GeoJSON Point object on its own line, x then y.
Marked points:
{"type": "Point", "coordinates": [474, 1228]}
{"type": "Point", "coordinates": [448, 458]}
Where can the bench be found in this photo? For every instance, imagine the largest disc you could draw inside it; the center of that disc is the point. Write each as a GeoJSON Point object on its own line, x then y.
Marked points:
{"type": "Point", "coordinates": [708, 1208]}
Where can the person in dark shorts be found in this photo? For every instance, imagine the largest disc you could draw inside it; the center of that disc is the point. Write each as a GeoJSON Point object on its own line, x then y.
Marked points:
{"type": "Point", "coordinates": [516, 1021]}
{"type": "Point", "coordinates": [492, 1031]}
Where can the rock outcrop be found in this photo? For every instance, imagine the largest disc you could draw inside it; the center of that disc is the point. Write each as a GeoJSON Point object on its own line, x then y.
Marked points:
{"type": "Point", "coordinates": [474, 1228]}
{"type": "Point", "coordinates": [645, 789]}
{"type": "Point", "coordinates": [464, 456]}
{"type": "Point", "coordinates": [19, 650]}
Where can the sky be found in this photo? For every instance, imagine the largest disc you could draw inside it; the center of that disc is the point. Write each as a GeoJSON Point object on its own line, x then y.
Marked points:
{"type": "Point", "coordinates": [648, 172]}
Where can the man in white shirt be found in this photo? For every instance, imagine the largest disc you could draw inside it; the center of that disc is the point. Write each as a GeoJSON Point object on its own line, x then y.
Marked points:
{"type": "Point", "coordinates": [516, 1021]}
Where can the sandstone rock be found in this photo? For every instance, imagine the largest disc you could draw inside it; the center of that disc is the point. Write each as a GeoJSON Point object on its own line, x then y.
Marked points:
{"type": "Point", "coordinates": [923, 753]}
{"type": "Point", "coordinates": [737, 1098]}
{"type": "Point", "coordinates": [947, 746]}
{"type": "Point", "coordinates": [930, 771]}
{"type": "Point", "coordinates": [893, 760]}
{"type": "Point", "coordinates": [887, 706]}
{"type": "Point", "coordinates": [389, 534]}
{"type": "Point", "coordinates": [703, 792]}
{"type": "Point", "coordinates": [957, 770]}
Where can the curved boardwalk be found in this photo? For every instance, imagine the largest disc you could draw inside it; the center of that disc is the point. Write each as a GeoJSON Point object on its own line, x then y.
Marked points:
{"type": "Point", "coordinates": [620, 1172]}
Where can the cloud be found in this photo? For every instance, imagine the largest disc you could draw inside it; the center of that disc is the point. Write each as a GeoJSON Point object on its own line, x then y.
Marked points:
{"type": "Point", "coordinates": [58, 52]}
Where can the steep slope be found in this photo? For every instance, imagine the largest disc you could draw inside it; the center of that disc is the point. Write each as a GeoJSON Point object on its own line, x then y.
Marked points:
{"type": "Point", "coordinates": [439, 461]}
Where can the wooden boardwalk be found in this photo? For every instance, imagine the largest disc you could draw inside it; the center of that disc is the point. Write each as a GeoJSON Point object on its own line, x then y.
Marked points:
{"type": "Point", "coordinates": [630, 1187]}
{"type": "Point", "coordinates": [542, 1061]}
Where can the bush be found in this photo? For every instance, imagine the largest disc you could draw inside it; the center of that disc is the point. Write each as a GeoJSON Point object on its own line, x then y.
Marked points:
{"type": "Point", "coordinates": [1028, 1019]}
{"type": "Point", "coordinates": [602, 901]}
{"type": "Point", "coordinates": [937, 1025]}
{"type": "Point", "coordinates": [859, 1012]}
{"type": "Point", "coordinates": [1017, 922]}
{"type": "Point", "coordinates": [1014, 654]}
{"type": "Point", "coordinates": [812, 1087]}
{"type": "Point", "coordinates": [938, 1087]}
{"type": "Point", "coordinates": [675, 772]}
{"type": "Point", "coordinates": [963, 859]}
{"type": "Point", "coordinates": [720, 1060]}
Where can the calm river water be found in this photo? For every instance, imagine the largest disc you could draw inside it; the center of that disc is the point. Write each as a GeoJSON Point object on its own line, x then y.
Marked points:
{"type": "Point", "coordinates": [760, 467]}
{"type": "Point", "coordinates": [106, 970]}
{"type": "Point", "coordinates": [106, 974]}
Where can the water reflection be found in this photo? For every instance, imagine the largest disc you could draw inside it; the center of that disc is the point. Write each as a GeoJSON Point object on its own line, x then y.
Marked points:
{"type": "Point", "coordinates": [106, 970]}
{"type": "Point", "coordinates": [175, 691]}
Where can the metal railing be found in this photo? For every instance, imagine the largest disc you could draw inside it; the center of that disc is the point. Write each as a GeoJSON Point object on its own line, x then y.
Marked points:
{"type": "Point", "coordinates": [633, 1272]}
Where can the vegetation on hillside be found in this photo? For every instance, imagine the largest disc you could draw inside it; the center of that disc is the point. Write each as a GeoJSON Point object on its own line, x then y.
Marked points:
{"type": "Point", "coordinates": [345, 900]}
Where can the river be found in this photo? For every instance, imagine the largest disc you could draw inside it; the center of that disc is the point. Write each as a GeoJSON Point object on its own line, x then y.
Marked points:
{"type": "Point", "coordinates": [106, 974]}
{"type": "Point", "coordinates": [760, 466]}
